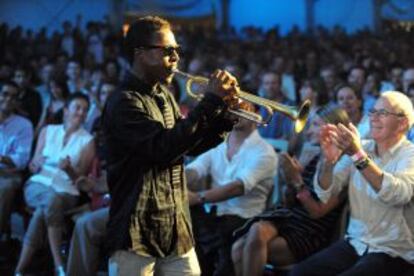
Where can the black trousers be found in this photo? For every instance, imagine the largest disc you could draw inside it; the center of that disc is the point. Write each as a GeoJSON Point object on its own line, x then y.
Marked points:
{"type": "Point", "coordinates": [342, 259]}
{"type": "Point", "coordinates": [214, 238]}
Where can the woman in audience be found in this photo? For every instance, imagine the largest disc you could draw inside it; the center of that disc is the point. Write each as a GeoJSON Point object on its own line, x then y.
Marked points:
{"type": "Point", "coordinates": [63, 154]}
{"type": "Point", "coordinates": [97, 104]}
{"type": "Point", "coordinates": [53, 110]}
{"type": "Point", "coordinates": [371, 91]}
{"type": "Point", "coordinates": [303, 226]}
{"type": "Point", "coordinates": [315, 91]}
{"type": "Point", "coordinates": [350, 99]}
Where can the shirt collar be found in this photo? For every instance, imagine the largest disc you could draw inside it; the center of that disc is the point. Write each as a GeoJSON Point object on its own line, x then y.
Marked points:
{"type": "Point", "coordinates": [134, 83]}
{"type": "Point", "coordinates": [391, 151]}
{"type": "Point", "coordinates": [248, 140]}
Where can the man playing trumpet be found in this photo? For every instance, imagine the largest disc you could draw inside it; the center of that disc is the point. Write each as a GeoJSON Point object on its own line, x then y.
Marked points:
{"type": "Point", "coordinates": [149, 226]}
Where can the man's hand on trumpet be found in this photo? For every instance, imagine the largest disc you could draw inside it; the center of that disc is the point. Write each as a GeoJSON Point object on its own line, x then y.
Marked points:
{"type": "Point", "coordinates": [224, 85]}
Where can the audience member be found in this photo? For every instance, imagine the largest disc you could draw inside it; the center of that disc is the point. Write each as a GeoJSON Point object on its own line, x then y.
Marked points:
{"type": "Point", "coordinates": [394, 80]}
{"type": "Point", "coordinates": [378, 176]}
{"type": "Point", "coordinates": [315, 91]}
{"type": "Point", "coordinates": [16, 136]}
{"type": "Point", "coordinates": [29, 103]}
{"type": "Point", "coordinates": [87, 243]}
{"type": "Point", "coordinates": [241, 171]}
{"type": "Point", "coordinates": [53, 109]}
{"type": "Point", "coordinates": [352, 102]}
{"type": "Point", "coordinates": [280, 127]}
{"type": "Point", "coordinates": [356, 78]}
{"type": "Point", "coordinates": [407, 79]}
{"type": "Point", "coordinates": [46, 74]}
{"type": "Point", "coordinates": [329, 77]}
{"type": "Point", "coordinates": [370, 91]}
{"type": "Point", "coordinates": [97, 104]}
{"type": "Point", "coordinates": [288, 84]}
{"type": "Point", "coordinates": [63, 154]}
{"type": "Point", "coordinates": [302, 226]}
{"type": "Point", "coordinates": [74, 81]}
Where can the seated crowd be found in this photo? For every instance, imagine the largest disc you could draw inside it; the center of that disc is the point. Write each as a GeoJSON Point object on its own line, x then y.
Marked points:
{"type": "Point", "coordinates": [355, 151]}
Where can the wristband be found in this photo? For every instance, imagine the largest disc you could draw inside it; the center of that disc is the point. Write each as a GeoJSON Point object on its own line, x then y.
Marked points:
{"type": "Point", "coordinates": [359, 155]}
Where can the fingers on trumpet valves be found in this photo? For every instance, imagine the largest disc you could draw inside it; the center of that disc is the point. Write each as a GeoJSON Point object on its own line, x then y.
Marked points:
{"type": "Point", "coordinates": [245, 105]}
{"type": "Point", "coordinates": [227, 79]}
{"type": "Point", "coordinates": [232, 101]}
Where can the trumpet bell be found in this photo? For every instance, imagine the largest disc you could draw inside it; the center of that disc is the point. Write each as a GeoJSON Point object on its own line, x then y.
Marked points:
{"type": "Point", "coordinates": [302, 116]}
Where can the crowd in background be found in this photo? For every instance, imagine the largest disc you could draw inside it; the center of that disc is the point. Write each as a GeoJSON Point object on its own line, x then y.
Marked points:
{"type": "Point", "coordinates": [325, 66]}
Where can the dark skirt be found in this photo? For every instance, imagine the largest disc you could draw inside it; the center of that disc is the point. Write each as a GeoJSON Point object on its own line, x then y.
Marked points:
{"type": "Point", "coordinates": [303, 234]}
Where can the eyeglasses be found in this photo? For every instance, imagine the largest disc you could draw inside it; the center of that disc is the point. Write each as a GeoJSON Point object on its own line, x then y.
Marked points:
{"type": "Point", "coordinates": [382, 113]}
{"type": "Point", "coordinates": [167, 50]}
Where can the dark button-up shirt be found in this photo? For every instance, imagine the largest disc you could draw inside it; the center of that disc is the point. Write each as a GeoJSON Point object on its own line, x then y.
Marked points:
{"type": "Point", "coordinates": [149, 209]}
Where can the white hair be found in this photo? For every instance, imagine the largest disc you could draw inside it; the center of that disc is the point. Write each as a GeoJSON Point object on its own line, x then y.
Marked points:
{"type": "Point", "coordinates": [401, 103]}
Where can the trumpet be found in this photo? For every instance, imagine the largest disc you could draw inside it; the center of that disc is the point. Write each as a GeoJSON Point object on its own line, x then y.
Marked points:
{"type": "Point", "coordinates": [298, 115]}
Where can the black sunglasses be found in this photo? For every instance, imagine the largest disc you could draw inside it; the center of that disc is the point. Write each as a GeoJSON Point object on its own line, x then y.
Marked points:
{"type": "Point", "coordinates": [167, 50]}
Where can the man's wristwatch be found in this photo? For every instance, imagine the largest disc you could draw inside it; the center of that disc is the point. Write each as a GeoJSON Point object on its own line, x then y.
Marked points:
{"type": "Point", "coordinates": [362, 164]}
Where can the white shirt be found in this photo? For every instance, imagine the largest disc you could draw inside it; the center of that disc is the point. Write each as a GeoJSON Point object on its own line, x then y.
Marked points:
{"type": "Point", "coordinates": [380, 221]}
{"type": "Point", "coordinates": [254, 165]}
{"type": "Point", "coordinates": [16, 137]}
{"type": "Point", "coordinates": [54, 151]}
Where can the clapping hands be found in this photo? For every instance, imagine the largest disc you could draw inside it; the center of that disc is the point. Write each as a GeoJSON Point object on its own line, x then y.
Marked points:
{"type": "Point", "coordinates": [339, 139]}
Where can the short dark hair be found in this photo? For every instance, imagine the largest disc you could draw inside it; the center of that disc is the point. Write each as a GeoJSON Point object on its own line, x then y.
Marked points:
{"type": "Point", "coordinates": [141, 32]}
{"type": "Point", "coordinates": [76, 96]}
